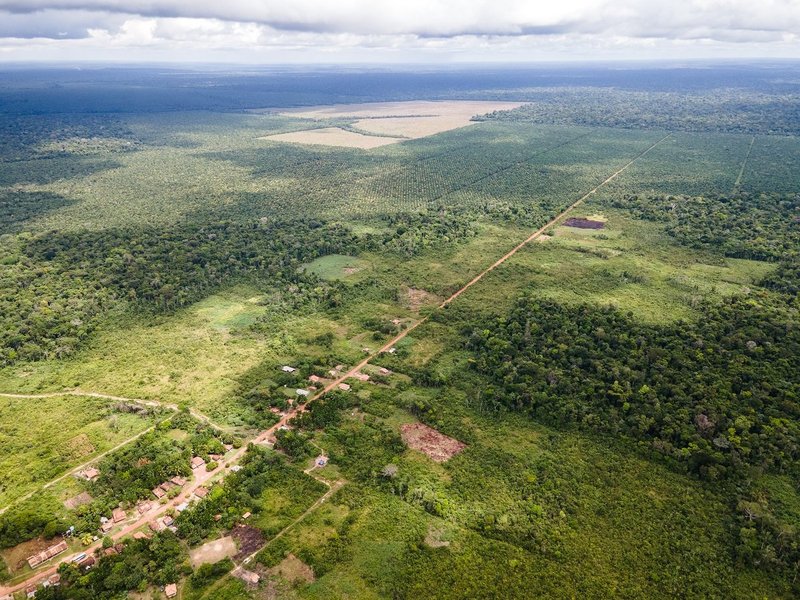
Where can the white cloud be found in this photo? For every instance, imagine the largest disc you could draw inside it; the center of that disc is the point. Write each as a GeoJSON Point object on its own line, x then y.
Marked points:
{"type": "Point", "coordinates": [251, 30]}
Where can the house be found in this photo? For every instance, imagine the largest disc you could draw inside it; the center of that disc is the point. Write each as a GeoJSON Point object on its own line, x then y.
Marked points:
{"type": "Point", "coordinates": [215, 456]}
{"type": "Point", "coordinates": [339, 368]}
{"type": "Point", "coordinates": [314, 379]}
{"type": "Point", "coordinates": [107, 526]}
{"type": "Point", "coordinates": [155, 526]}
{"type": "Point", "coordinates": [275, 410]}
{"type": "Point", "coordinates": [247, 515]}
{"type": "Point", "coordinates": [201, 492]}
{"type": "Point", "coordinates": [87, 563]}
{"type": "Point", "coordinates": [167, 486]}
{"type": "Point", "coordinates": [333, 373]}
{"type": "Point", "coordinates": [178, 480]}
{"type": "Point", "coordinates": [236, 468]}
{"type": "Point", "coordinates": [37, 559]}
{"type": "Point", "coordinates": [30, 591]}
{"type": "Point", "coordinates": [166, 520]}
{"type": "Point", "coordinates": [218, 517]}
{"type": "Point", "coordinates": [361, 376]}
{"type": "Point", "coordinates": [288, 369]}
{"type": "Point", "coordinates": [392, 350]}
{"type": "Point", "coordinates": [182, 507]}
{"type": "Point", "coordinates": [89, 474]}
{"type": "Point", "coordinates": [171, 590]}
{"type": "Point", "coordinates": [159, 493]}
{"type": "Point", "coordinates": [143, 507]}
{"type": "Point", "coordinates": [304, 393]}
{"type": "Point", "coordinates": [110, 551]}
{"type": "Point", "coordinates": [119, 515]}
{"type": "Point", "coordinates": [228, 447]}
{"type": "Point", "coordinates": [197, 462]}
{"type": "Point", "coordinates": [344, 387]}
{"type": "Point", "coordinates": [140, 535]}
{"type": "Point", "coordinates": [55, 579]}
{"type": "Point", "coordinates": [322, 460]}
{"type": "Point", "coordinates": [384, 371]}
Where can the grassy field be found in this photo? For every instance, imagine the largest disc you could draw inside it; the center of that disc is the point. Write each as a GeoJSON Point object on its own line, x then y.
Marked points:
{"type": "Point", "coordinates": [44, 437]}
{"type": "Point", "coordinates": [631, 264]}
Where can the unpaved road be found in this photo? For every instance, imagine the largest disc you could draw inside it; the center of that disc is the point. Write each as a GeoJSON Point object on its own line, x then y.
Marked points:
{"type": "Point", "coordinates": [265, 435]}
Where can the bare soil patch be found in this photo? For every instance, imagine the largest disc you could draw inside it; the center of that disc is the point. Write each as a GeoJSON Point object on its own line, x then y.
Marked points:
{"type": "Point", "coordinates": [417, 298]}
{"type": "Point", "coordinates": [332, 136]}
{"type": "Point", "coordinates": [213, 551]}
{"type": "Point", "coordinates": [435, 538]}
{"type": "Point", "coordinates": [293, 569]}
{"type": "Point", "coordinates": [582, 223]}
{"type": "Point", "coordinates": [76, 501]}
{"type": "Point", "coordinates": [434, 445]}
{"type": "Point", "coordinates": [249, 539]}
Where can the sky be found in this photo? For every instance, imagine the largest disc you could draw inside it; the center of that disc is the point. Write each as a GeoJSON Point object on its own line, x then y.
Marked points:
{"type": "Point", "coordinates": [396, 31]}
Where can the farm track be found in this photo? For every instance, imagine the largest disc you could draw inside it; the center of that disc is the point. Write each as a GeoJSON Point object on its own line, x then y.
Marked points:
{"type": "Point", "coordinates": [264, 437]}
{"type": "Point", "coordinates": [744, 164]}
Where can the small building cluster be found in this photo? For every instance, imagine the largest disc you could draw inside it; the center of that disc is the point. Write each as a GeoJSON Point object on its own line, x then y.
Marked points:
{"type": "Point", "coordinates": [45, 555]}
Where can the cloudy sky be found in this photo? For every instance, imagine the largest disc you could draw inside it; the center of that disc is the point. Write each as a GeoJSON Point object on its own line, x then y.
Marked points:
{"type": "Point", "coordinates": [280, 31]}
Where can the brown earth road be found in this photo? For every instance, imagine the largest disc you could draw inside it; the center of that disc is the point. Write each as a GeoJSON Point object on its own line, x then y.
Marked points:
{"type": "Point", "coordinates": [264, 436]}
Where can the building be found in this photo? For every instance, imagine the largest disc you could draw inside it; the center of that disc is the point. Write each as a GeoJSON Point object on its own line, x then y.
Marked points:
{"type": "Point", "coordinates": [178, 480]}
{"type": "Point", "coordinates": [384, 371]}
{"type": "Point", "coordinates": [143, 507]}
{"type": "Point", "coordinates": [30, 591]}
{"type": "Point", "coordinates": [361, 376]}
{"type": "Point", "coordinates": [288, 369]}
{"type": "Point", "coordinates": [344, 387]}
{"type": "Point", "coordinates": [246, 515]}
{"type": "Point", "coordinates": [236, 468]}
{"type": "Point", "coordinates": [197, 462]}
{"type": "Point", "coordinates": [107, 526]}
{"type": "Point", "coordinates": [301, 392]}
{"type": "Point", "coordinates": [314, 379]}
{"type": "Point", "coordinates": [89, 474]}
{"type": "Point", "coordinates": [55, 579]}
{"type": "Point", "coordinates": [182, 507]}
{"type": "Point", "coordinates": [171, 590]}
{"type": "Point", "coordinates": [201, 492]}
{"type": "Point", "coordinates": [140, 535]}
{"type": "Point", "coordinates": [322, 460]}
{"type": "Point", "coordinates": [118, 515]}
{"type": "Point", "coordinates": [37, 559]}
{"type": "Point", "coordinates": [87, 563]}
{"type": "Point", "coordinates": [159, 493]}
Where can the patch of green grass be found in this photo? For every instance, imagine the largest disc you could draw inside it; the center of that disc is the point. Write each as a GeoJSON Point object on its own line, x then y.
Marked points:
{"type": "Point", "coordinates": [44, 437]}
{"type": "Point", "coordinates": [337, 266]}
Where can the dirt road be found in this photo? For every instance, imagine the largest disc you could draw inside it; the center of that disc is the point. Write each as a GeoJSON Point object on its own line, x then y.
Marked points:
{"type": "Point", "coordinates": [265, 435]}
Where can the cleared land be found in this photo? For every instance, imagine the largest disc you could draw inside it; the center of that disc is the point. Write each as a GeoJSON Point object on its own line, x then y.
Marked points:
{"type": "Point", "coordinates": [333, 136]}
{"type": "Point", "coordinates": [391, 122]}
{"type": "Point", "coordinates": [434, 445]}
{"type": "Point", "coordinates": [213, 551]}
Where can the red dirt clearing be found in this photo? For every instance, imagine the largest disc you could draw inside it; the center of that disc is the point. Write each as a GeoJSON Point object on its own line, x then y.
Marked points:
{"type": "Point", "coordinates": [430, 442]}
{"type": "Point", "coordinates": [584, 223]}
